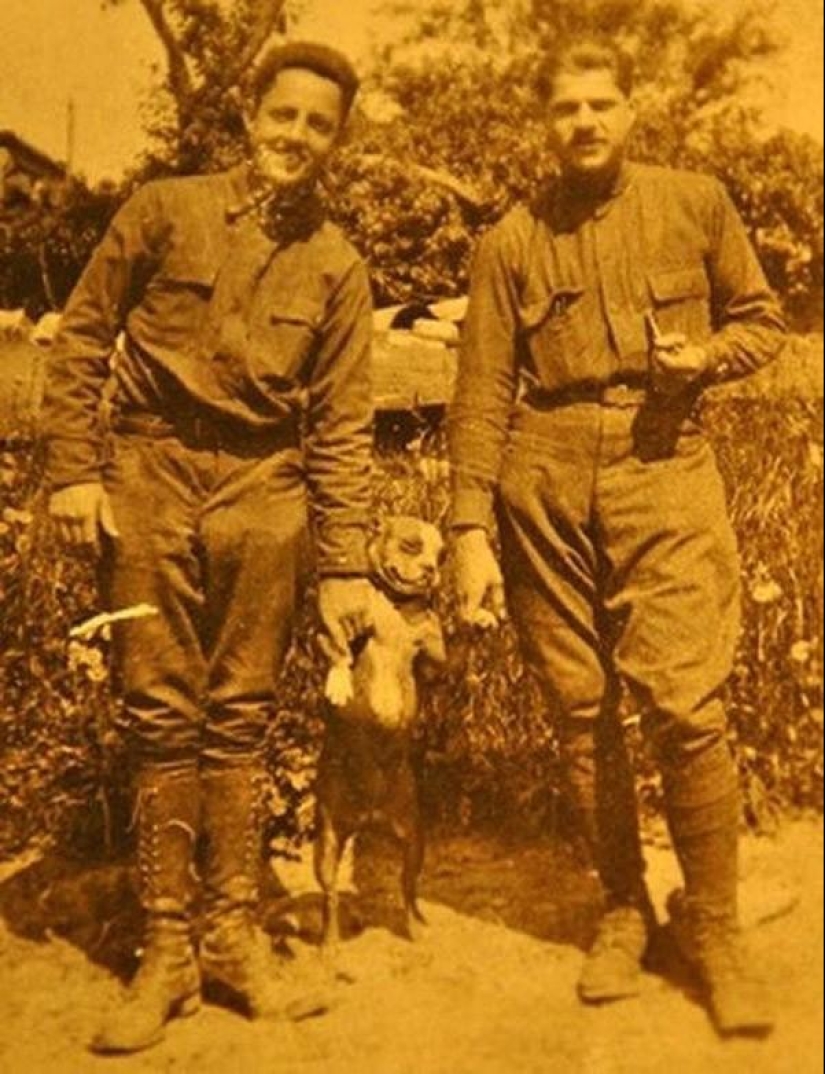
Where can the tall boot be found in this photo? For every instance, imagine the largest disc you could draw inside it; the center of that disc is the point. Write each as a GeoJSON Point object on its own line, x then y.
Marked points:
{"type": "Point", "coordinates": [703, 806]}
{"type": "Point", "coordinates": [167, 984]}
{"type": "Point", "coordinates": [235, 953]}
{"type": "Point", "coordinates": [602, 786]}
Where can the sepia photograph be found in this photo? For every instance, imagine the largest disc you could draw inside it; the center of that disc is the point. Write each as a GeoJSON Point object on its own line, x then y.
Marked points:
{"type": "Point", "coordinates": [411, 536]}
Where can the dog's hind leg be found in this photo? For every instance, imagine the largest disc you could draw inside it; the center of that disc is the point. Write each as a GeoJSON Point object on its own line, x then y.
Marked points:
{"type": "Point", "coordinates": [329, 851]}
{"type": "Point", "coordinates": [413, 844]}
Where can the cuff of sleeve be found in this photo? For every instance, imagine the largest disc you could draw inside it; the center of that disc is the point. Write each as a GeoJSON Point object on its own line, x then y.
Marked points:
{"type": "Point", "coordinates": [72, 462]}
{"type": "Point", "coordinates": [719, 367]}
{"type": "Point", "coordinates": [342, 552]}
{"type": "Point", "coordinates": [472, 509]}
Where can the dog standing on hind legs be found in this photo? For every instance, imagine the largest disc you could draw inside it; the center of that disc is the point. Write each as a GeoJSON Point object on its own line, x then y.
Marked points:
{"type": "Point", "coordinates": [366, 778]}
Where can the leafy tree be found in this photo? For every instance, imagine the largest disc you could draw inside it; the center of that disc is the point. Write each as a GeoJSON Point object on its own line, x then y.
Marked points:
{"type": "Point", "coordinates": [466, 80]}
{"type": "Point", "coordinates": [452, 130]}
{"type": "Point", "coordinates": [210, 49]}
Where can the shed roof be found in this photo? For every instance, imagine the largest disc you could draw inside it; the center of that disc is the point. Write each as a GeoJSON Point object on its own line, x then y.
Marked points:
{"type": "Point", "coordinates": [30, 157]}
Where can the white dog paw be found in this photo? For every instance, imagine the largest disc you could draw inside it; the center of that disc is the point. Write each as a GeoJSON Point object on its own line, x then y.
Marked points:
{"type": "Point", "coordinates": [340, 688]}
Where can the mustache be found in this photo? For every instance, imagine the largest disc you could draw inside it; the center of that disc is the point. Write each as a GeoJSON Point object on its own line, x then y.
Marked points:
{"type": "Point", "coordinates": [295, 148]}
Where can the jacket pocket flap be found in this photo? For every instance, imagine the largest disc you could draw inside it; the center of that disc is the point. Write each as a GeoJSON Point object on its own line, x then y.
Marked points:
{"type": "Point", "coordinates": [297, 310]}
{"type": "Point", "coordinates": [190, 267]}
{"type": "Point", "coordinates": [554, 304]}
{"type": "Point", "coordinates": [673, 285]}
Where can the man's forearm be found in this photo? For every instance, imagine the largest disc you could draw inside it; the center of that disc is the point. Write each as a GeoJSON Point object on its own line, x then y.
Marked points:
{"type": "Point", "coordinates": [751, 328]}
{"type": "Point", "coordinates": [72, 425]}
{"type": "Point", "coordinates": [340, 432]}
{"type": "Point", "coordinates": [741, 349]}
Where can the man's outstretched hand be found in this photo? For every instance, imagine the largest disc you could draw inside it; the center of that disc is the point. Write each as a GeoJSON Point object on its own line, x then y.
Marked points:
{"type": "Point", "coordinates": [82, 513]}
{"type": "Point", "coordinates": [479, 581]}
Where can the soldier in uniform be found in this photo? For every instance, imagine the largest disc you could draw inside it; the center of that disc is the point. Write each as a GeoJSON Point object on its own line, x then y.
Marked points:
{"type": "Point", "coordinates": [598, 317]}
{"type": "Point", "coordinates": [242, 410]}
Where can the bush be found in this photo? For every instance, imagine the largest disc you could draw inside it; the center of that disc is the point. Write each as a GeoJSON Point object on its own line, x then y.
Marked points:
{"type": "Point", "coordinates": [490, 750]}
{"type": "Point", "coordinates": [44, 249]}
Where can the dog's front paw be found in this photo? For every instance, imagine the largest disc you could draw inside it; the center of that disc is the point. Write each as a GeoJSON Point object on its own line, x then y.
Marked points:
{"type": "Point", "coordinates": [340, 688]}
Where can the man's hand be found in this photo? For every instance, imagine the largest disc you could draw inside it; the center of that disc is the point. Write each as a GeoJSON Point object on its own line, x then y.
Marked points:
{"type": "Point", "coordinates": [677, 363]}
{"type": "Point", "coordinates": [82, 513]}
{"type": "Point", "coordinates": [479, 581]}
{"type": "Point", "coordinates": [346, 610]}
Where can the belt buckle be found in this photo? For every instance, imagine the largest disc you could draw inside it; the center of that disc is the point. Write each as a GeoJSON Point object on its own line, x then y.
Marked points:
{"type": "Point", "coordinates": [619, 395]}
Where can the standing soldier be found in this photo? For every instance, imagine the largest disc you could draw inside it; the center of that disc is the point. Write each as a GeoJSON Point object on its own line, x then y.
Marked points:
{"type": "Point", "coordinates": [242, 400]}
{"type": "Point", "coordinates": [597, 319]}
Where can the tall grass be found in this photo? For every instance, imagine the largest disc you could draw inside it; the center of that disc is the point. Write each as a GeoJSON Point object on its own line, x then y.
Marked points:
{"type": "Point", "coordinates": [489, 743]}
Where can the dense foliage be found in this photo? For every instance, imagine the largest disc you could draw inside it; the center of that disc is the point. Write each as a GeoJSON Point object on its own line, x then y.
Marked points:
{"type": "Point", "coordinates": [490, 749]}
{"type": "Point", "coordinates": [458, 96]}
{"type": "Point", "coordinates": [44, 248]}
{"type": "Point", "coordinates": [459, 93]}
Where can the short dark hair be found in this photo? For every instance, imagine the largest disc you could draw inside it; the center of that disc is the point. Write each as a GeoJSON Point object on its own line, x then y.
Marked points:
{"type": "Point", "coordinates": [582, 57]}
{"type": "Point", "coordinates": [306, 56]}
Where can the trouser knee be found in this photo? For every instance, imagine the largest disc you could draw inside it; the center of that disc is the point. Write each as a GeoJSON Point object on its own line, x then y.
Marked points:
{"type": "Point", "coordinates": [157, 735]}
{"type": "Point", "coordinates": [678, 739]}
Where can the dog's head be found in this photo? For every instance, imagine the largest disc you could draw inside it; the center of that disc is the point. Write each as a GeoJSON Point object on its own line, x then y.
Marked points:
{"type": "Point", "coordinates": [407, 555]}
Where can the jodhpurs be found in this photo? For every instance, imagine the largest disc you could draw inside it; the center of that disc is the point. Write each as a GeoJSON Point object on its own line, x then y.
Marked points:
{"type": "Point", "coordinates": [621, 559]}
{"type": "Point", "coordinates": [214, 539]}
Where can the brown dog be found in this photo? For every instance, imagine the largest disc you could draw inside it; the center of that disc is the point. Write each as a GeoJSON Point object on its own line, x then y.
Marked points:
{"type": "Point", "coordinates": [365, 778]}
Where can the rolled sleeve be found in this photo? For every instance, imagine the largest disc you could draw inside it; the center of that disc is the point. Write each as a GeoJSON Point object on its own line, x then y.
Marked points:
{"type": "Point", "coordinates": [480, 414]}
{"type": "Point", "coordinates": [340, 430]}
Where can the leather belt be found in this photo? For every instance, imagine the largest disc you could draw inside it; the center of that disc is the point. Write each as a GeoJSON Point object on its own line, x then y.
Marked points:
{"type": "Point", "coordinates": [204, 432]}
{"type": "Point", "coordinates": [630, 392]}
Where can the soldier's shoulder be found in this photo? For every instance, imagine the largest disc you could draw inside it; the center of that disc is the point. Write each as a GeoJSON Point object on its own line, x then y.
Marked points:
{"type": "Point", "coordinates": [678, 182]}
{"type": "Point", "coordinates": [178, 191]}
{"type": "Point", "coordinates": [340, 253]}
{"type": "Point", "coordinates": [511, 231]}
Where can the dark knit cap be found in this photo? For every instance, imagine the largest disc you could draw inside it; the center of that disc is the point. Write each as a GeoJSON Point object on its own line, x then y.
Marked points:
{"type": "Point", "coordinates": [306, 56]}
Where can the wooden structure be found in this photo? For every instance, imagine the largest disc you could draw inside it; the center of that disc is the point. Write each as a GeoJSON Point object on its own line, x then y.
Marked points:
{"type": "Point", "coordinates": [416, 356]}
{"type": "Point", "coordinates": [27, 176]}
{"type": "Point", "coordinates": [415, 366]}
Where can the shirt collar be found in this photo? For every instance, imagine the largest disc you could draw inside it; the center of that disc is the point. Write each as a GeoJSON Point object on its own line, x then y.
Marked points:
{"type": "Point", "coordinates": [291, 217]}
{"type": "Point", "coordinates": [573, 204]}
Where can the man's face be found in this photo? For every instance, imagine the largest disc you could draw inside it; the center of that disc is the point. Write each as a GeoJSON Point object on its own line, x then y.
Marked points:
{"type": "Point", "coordinates": [590, 122]}
{"type": "Point", "coordinates": [296, 127]}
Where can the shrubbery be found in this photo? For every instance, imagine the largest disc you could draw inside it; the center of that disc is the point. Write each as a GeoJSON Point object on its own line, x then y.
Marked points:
{"type": "Point", "coordinates": [490, 751]}
{"type": "Point", "coordinates": [460, 98]}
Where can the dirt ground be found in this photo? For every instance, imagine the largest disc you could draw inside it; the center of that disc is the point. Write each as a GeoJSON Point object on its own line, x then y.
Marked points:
{"type": "Point", "coordinates": [489, 991]}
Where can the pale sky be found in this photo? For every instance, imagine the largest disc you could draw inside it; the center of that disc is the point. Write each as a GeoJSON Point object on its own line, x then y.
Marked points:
{"type": "Point", "coordinates": [54, 51]}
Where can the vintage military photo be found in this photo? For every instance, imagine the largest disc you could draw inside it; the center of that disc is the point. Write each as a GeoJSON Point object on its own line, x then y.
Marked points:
{"type": "Point", "coordinates": [411, 491]}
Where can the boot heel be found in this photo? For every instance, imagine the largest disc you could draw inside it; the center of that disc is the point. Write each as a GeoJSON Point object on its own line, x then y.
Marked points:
{"type": "Point", "coordinates": [189, 1007]}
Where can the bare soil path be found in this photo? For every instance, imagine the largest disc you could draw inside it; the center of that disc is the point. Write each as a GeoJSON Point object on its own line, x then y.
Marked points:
{"type": "Point", "coordinates": [490, 991]}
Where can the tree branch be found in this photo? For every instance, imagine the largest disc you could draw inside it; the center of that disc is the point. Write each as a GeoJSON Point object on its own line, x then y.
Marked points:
{"type": "Point", "coordinates": [269, 17]}
{"type": "Point", "coordinates": [180, 81]}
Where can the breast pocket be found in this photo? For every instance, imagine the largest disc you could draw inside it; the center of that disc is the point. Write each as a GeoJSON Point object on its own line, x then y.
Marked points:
{"type": "Point", "coordinates": [187, 271]}
{"type": "Point", "coordinates": [283, 339]}
{"type": "Point", "coordinates": [681, 300]}
{"type": "Point", "coordinates": [176, 299]}
{"type": "Point", "coordinates": [554, 333]}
